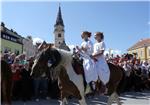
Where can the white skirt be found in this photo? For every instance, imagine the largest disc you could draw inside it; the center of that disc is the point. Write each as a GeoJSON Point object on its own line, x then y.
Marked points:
{"type": "Point", "coordinates": [102, 69]}
{"type": "Point", "coordinates": [89, 70]}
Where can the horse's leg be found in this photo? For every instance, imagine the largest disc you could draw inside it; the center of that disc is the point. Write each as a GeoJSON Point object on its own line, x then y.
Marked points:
{"type": "Point", "coordinates": [76, 82]}
{"type": "Point", "coordinates": [64, 101]}
{"type": "Point", "coordinates": [81, 89]}
{"type": "Point", "coordinates": [63, 98]}
{"type": "Point", "coordinates": [117, 98]}
{"type": "Point", "coordinates": [82, 101]}
{"type": "Point", "coordinates": [109, 102]}
{"type": "Point", "coordinates": [111, 98]}
{"type": "Point", "coordinates": [63, 94]}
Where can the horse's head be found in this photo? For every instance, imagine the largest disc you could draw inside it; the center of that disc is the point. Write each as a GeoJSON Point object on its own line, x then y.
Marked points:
{"type": "Point", "coordinates": [48, 58]}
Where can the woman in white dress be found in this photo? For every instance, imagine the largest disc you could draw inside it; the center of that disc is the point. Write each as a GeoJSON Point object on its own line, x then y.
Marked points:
{"type": "Point", "coordinates": [86, 51]}
{"type": "Point", "coordinates": [101, 65]}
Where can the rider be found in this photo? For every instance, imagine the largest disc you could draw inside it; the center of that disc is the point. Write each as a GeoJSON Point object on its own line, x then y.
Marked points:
{"type": "Point", "coordinates": [101, 65]}
{"type": "Point", "coordinates": [86, 51]}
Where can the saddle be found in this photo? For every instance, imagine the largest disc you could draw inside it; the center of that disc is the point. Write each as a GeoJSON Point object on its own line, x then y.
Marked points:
{"type": "Point", "coordinates": [77, 65]}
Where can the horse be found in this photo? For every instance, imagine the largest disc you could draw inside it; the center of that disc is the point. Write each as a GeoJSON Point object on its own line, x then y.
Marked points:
{"type": "Point", "coordinates": [71, 83]}
{"type": "Point", "coordinates": [6, 82]}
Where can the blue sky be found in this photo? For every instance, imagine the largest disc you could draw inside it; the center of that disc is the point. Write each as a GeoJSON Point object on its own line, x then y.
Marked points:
{"type": "Point", "coordinates": [123, 23]}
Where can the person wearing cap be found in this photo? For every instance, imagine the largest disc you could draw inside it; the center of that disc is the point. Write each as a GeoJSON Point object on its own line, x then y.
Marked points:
{"type": "Point", "coordinates": [86, 51]}
{"type": "Point", "coordinates": [101, 65]}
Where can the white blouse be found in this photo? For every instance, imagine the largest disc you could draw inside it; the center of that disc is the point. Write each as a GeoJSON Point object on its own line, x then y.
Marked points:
{"type": "Point", "coordinates": [89, 46]}
{"type": "Point", "coordinates": [99, 47]}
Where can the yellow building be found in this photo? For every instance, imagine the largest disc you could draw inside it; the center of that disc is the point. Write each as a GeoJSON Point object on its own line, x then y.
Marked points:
{"type": "Point", "coordinates": [10, 40]}
{"type": "Point", "coordinates": [142, 49]}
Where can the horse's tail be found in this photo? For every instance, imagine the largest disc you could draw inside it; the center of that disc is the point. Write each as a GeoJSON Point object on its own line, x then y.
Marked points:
{"type": "Point", "coordinates": [121, 86]}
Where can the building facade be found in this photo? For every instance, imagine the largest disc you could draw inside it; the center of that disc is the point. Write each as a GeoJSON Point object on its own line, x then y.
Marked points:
{"type": "Point", "coordinates": [148, 52]}
{"type": "Point", "coordinates": [141, 49]}
{"type": "Point", "coordinates": [10, 41]}
{"type": "Point", "coordinates": [28, 48]}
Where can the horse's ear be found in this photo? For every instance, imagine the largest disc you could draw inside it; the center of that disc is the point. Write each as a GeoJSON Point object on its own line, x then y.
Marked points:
{"type": "Point", "coordinates": [48, 47]}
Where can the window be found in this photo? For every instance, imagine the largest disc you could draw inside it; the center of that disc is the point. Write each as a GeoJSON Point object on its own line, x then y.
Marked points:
{"type": "Point", "coordinates": [136, 54]}
{"type": "Point", "coordinates": [59, 35]}
{"type": "Point", "coordinates": [13, 39]}
{"type": "Point", "coordinates": [4, 36]}
{"type": "Point", "coordinates": [58, 42]}
{"type": "Point", "coordinates": [141, 53]}
{"type": "Point", "coordinates": [8, 37]}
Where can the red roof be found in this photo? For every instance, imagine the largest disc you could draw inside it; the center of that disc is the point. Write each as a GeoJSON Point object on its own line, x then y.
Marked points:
{"type": "Point", "coordinates": [141, 43]}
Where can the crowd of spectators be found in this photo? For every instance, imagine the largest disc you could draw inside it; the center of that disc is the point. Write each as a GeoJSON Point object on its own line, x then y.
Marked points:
{"type": "Point", "coordinates": [26, 87]}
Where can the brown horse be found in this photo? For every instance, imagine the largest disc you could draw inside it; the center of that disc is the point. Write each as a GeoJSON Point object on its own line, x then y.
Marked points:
{"type": "Point", "coordinates": [116, 83]}
{"type": "Point", "coordinates": [71, 83]}
{"type": "Point", "coordinates": [6, 82]}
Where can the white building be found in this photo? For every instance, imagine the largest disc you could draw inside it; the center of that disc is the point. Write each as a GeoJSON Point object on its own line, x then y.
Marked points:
{"type": "Point", "coordinates": [28, 48]}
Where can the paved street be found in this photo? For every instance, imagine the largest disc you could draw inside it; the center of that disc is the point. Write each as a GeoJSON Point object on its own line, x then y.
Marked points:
{"type": "Point", "coordinates": [130, 98]}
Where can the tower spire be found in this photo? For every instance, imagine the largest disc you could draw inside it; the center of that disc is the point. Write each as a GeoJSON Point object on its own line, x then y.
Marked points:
{"type": "Point", "coordinates": [59, 20]}
{"type": "Point", "coordinates": [59, 4]}
{"type": "Point", "coordinates": [59, 32]}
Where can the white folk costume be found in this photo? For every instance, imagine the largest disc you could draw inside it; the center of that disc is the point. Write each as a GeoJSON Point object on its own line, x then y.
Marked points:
{"type": "Point", "coordinates": [101, 65]}
{"type": "Point", "coordinates": [88, 63]}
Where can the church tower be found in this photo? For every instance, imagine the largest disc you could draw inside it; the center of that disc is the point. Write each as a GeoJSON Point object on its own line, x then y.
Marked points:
{"type": "Point", "coordinates": [59, 29]}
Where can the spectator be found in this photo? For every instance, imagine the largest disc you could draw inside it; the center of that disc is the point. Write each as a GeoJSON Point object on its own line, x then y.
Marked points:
{"type": "Point", "coordinates": [25, 83]}
{"type": "Point", "coordinates": [16, 77]}
{"type": "Point", "coordinates": [145, 67]}
{"type": "Point", "coordinates": [40, 82]}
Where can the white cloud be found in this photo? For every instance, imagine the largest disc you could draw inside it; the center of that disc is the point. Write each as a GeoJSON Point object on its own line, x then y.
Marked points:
{"type": "Point", "coordinates": [71, 47]}
{"type": "Point", "coordinates": [37, 40]}
{"type": "Point", "coordinates": [113, 51]}
{"type": "Point", "coordinates": [106, 52]}
{"type": "Point", "coordinates": [116, 52]}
